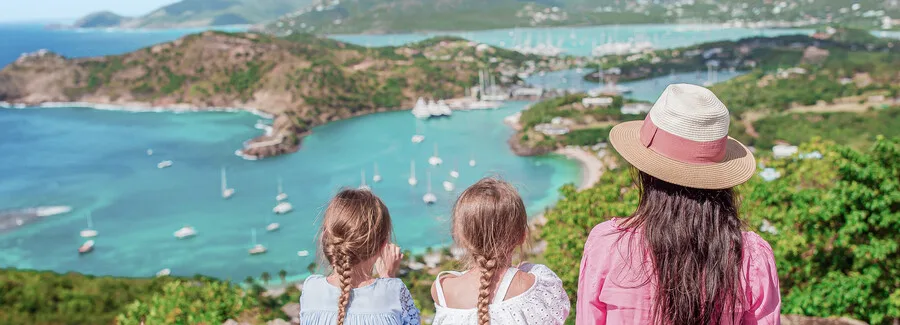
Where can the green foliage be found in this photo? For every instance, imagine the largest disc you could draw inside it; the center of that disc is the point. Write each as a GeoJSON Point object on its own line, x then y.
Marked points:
{"type": "Point", "coordinates": [853, 129]}
{"type": "Point", "coordinates": [175, 81]}
{"type": "Point", "coordinates": [44, 298]}
{"type": "Point", "coordinates": [586, 137]}
{"type": "Point", "coordinates": [545, 111]}
{"type": "Point", "coordinates": [189, 302]}
{"type": "Point", "coordinates": [246, 80]}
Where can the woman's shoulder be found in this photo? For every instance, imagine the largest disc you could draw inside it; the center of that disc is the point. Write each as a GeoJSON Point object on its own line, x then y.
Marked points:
{"type": "Point", "coordinates": [755, 245]}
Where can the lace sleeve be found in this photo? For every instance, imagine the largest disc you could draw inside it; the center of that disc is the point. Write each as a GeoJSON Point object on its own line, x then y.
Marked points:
{"type": "Point", "coordinates": [410, 312]}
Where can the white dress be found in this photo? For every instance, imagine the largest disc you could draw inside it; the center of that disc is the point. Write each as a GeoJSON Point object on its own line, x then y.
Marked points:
{"type": "Point", "coordinates": [545, 302]}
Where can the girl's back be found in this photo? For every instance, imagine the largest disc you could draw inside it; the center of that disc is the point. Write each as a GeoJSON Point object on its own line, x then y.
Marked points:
{"type": "Point", "coordinates": [384, 301]}
{"type": "Point", "coordinates": [529, 294]}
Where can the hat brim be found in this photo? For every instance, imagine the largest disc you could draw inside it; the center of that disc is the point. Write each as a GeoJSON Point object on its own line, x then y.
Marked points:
{"type": "Point", "coordinates": [737, 167]}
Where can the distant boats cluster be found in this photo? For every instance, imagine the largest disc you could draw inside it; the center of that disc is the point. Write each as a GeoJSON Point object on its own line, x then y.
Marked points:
{"type": "Point", "coordinates": [424, 110]}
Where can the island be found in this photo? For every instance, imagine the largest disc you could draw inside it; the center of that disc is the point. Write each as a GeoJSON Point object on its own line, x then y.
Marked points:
{"type": "Point", "coordinates": [300, 81]}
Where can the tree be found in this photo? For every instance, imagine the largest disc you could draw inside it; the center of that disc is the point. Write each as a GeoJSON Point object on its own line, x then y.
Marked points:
{"type": "Point", "coordinates": [265, 277]}
{"type": "Point", "coordinates": [283, 275]}
{"type": "Point", "coordinates": [250, 281]}
{"type": "Point", "coordinates": [311, 268]}
{"type": "Point", "coordinates": [189, 302]}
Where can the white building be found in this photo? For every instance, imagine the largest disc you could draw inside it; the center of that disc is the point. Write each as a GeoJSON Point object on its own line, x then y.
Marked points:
{"type": "Point", "coordinates": [636, 108]}
{"type": "Point", "coordinates": [769, 174]}
{"type": "Point", "coordinates": [528, 92]}
{"type": "Point", "coordinates": [783, 151]}
{"type": "Point", "coordinates": [551, 129]}
{"type": "Point", "coordinates": [596, 101]}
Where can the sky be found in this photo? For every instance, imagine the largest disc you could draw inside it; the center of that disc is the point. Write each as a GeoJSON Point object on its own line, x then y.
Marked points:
{"type": "Point", "coordinates": [46, 10]}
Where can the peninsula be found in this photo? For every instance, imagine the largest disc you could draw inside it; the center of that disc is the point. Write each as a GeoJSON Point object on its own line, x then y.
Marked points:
{"type": "Point", "coordinates": [301, 81]}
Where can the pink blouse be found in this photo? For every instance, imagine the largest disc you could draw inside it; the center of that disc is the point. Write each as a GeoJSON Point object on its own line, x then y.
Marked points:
{"type": "Point", "coordinates": [610, 291]}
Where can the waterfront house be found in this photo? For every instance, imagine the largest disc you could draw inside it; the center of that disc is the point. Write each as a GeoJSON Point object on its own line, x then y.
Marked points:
{"type": "Point", "coordinates": [551, 129]}
{"type": "Point", "coordinates": [636, 108]}
{"type": "Point", "coordinates": [596, 101]}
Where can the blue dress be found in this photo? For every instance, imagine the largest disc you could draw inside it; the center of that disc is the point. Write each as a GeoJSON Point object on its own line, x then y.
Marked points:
{"type": "Point", "coordinates": [384, 302]}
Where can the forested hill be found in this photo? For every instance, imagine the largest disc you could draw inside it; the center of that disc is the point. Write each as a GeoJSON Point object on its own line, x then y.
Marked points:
{"type": "Point", "coordinates": [198, 13]}
{"type": "Point", "coordinates": [302, 80]}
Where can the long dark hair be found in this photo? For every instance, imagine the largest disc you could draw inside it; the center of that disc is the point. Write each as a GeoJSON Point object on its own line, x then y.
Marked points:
{"type": "Point", "coordinates": [694, 241]}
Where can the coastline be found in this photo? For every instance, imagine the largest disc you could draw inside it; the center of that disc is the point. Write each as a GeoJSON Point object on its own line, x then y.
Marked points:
{"type": "Point", "coordinates": [591, 166]}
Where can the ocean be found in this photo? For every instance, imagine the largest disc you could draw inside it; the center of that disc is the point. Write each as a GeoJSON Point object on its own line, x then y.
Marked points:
{"type": "Point", "coordinates": [96, 162]}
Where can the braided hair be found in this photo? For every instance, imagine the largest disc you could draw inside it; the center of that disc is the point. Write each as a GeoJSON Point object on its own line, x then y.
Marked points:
{"type": "Point", "coordinates": [356, 226]}
{"type": "Point", "coordinates": [490, 222]}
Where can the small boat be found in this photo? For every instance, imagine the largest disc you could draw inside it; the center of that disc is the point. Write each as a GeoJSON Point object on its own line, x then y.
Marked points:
{"type": "Point", "coordinates": [454, 173]}
{"type": "Point", "coordinates": [377, 177]}
{"type": "Point", "coordinates": [185, 232]}
{"type": "Point", "coordinates": [149, 152]}
{"type": "Point", "coordinates": [257, 248]}
{"type": "Point", "coordinates": [472, 161]}
{"type": "Point", "coordinates": [429, 198]}
{"type": "Point", "coordinates": [164, 164]}
{"type": "Point", "coordinates": [226, 192]}
{"type": "Point", "coordinates": [273, 226]}
{"type": "Point", "coordinates": [163, 272]}
{"type": "Point", "coordinates": [418, 138]}
{"type": "Point", "coordinates": [362, 184]}
{"type": "Point", "coordinates": [435, 160]}
{"type": "Point", "coordinates": [87, 247]}
{"type": "Point", "coordinates": [282, 208]}
{"type": "Point", "coordinates": [412, 174]}
{"type": "Point", "coordinates": [448, 186]}
{"type": "Point", "coordinates": [89, 232]}
{"type": "Point", "coordinates": [281, 195]}
{"type": "Point", "coordinates": [303, 253]}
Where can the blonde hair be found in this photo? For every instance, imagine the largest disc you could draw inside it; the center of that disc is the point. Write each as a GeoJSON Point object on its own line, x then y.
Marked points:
{"type": "Point", "coordinates": [356, 226]}
{"type": "Point", "coordinates": [489, 222]}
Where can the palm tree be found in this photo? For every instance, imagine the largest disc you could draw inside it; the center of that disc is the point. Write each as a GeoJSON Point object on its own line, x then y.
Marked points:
{"type": "Point", "coordinates": [250, 281]}
{"type": "Point", "coordinates": [283, 275]}
{"type": "Point", "coordinates": [265, 277]}
{"type": "Point", "coordinates": [311, 268]}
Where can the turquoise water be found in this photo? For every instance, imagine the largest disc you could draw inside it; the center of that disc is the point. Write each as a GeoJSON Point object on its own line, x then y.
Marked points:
{"type": "Point", "coordinates": [580, 40]}
{"type": "Point", "coordinates": [95, 161]}
{"type": "Point", "coordinates": [647, 90]}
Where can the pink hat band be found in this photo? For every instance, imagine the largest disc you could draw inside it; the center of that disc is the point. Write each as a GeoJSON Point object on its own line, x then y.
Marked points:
{"type": "Point", "coordinates": [681, 149]}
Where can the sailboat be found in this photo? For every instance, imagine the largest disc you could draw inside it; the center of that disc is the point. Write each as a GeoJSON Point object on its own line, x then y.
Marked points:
{"type": "Point", "coordinates": [412, 174]}
{"type": "Point", "coordinates": [472, 161]}
{"type": "Point", "coordinates": [185, 232]}
{"type": "Point", "coordinates": [362, 184]}
{"type": "Point", "coordinates": [272, 226]}
{"type": "Point", "coordinates": [87, 247]}
{"type": "Point", "coordinates": [429, 198]}
{"type": "Point", "coordinates": [226, 192]}
{"type": "Point", "coordinates": [435, 160]}
{"type": "Point", "coordinates": [455, 171]}
{"type": "Point", "coordinates": [283, 207]}
{"type": "Point", "coordinates": [377, 177]}
{"type": "Point", "coordinates": [257, 248]}
{"type": "Point", "coordinates": [448, 186]}
{"type": "Point", "coordinates": [281, 195]}
{"type": "Point", "coordinates": [418, 137]}
{"type": "Point", "coordinates": [149, 152]}
{"type": "Point", "coordinates": [89, 232]}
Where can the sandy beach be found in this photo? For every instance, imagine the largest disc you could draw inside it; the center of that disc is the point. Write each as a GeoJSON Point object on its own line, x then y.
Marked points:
{"type": "Point", "coordinates": [592, 167]}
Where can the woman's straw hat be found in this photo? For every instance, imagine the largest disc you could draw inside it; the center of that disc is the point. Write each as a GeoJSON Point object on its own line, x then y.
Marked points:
{"type": "Point", "coordinates": [684, 140]}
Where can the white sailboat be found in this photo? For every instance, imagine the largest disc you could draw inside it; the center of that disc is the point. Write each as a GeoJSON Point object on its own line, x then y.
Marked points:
{"type": "Point", "coordinates": [362, 184]}
{"type": "Point", "coordinates": [281, 195]}
{"type": "Point", "coordinates": [435, 160]}
{"type": "Point", "coordinates": [257, 248]}
{"type": "Point", "coordinates": [448, 186]}
{"type": "Point", "coordinates": [377, 177]}
{"type": "Point", "coordinates": [226, 192]}
{"type": "Point", "coordinates": [412, 174]}
{"type": "Point", "coordinates": [455, 171]}
{"type": "Point", "coordinates": [89, 232]}
{"type": "Point", "coordinates": [163, 272]}
{"type": "Point", "coordinates": [272, 226]}
{"type": "Point", "coordinates": [185, 232]}
{"type": "Point", "coordinates": [87, 247]}
{"type": "Point", "coordinates": [149, 152]}
{"type": "Point", "coordinates": [418, 137]}
{"type": "Point", "coordinates": [429, 198]}
{"type": "Point", "coordinates": [282, 208]}
{"type": "Point", "coordinates": [472, 162]}
{"type": "Point", "coordinates": [303, 253]}
{"type": "Point", "coordinates": [164, 164]}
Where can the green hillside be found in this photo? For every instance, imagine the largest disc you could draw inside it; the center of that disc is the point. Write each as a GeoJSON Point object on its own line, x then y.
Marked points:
{"type": "Point", "coordinates": [198, 13]}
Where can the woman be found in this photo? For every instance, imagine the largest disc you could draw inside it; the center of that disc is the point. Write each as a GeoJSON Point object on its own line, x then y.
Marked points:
{"type": "Point", "coordinates": [682, 257]}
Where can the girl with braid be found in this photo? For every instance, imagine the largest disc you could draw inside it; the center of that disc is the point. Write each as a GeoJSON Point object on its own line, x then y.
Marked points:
{"type": "Point", "coordinates": [355, 239]}
{"type": "Point", "coordinates": [490, 223]}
